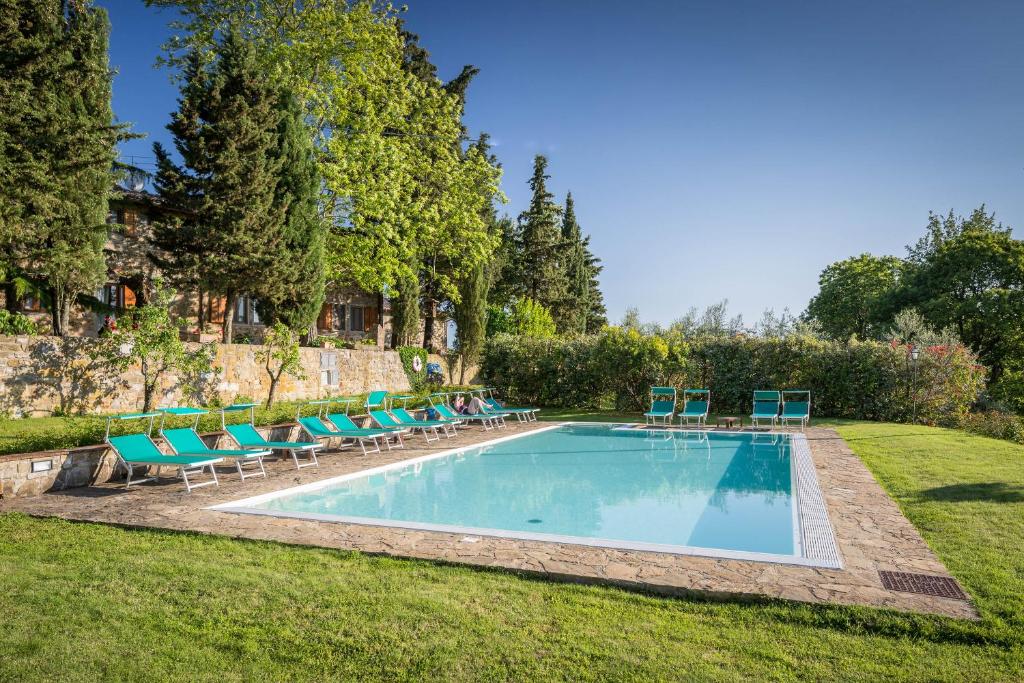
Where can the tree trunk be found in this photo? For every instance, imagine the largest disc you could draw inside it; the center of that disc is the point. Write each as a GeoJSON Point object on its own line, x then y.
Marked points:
{"type": "Point", "coordinates": [201, 313]}
{"type": "Point", "coordinates": [60, 312]}
{"type": "Point", "coordinates": [462, 371]}
{"type": "Point", "coordinates": [229, 317]}
{"type": "Point", "coordinates": [274, 379]}
{"type": "Point", "coordinates": [428, 325]}
{"type": "Point", "coordinates": [10, 297]}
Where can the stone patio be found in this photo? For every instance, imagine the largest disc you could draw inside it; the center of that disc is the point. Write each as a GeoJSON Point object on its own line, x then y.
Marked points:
{"type": "Point", "coordinates": [871, 531]}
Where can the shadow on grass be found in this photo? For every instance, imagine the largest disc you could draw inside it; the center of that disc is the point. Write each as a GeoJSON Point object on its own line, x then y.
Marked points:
{"type": "Point", "coordinates": [991, 491]}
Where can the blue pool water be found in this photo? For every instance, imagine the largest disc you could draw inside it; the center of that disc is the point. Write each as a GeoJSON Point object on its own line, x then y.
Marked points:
{"type": "Point", "coordinates": [731, 492]}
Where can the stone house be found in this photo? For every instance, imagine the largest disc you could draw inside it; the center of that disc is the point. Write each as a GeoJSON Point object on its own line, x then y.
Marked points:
{"type": "Point", "coordinates": [347, 313]}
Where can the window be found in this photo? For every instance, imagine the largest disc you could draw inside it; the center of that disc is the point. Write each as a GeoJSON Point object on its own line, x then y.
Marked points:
{"type": "Point", "coordinates": [338, 317]}
{"type": "Point", "coordinates": [132, 220]}
{"type": "Point", "coordinates": [30, 303]}
{"type": "Point", "coordinates": [329, 369]}
{"type": "Point", "coordinates": [245, 310]}
{"type": "Point", "coordinates": [241, 310]}
{"type": "Point", "coordinates": [355, 318]}
{"type": "Point", "coordinates": [117, 295]}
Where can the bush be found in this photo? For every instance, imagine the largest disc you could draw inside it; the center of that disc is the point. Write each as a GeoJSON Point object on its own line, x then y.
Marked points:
{"type": "Point", "coordinates": [417, 378]}
{"type": "Point", "coordinates": [16, 323]}
{"type": "Point", "coordinates": [615, 369]}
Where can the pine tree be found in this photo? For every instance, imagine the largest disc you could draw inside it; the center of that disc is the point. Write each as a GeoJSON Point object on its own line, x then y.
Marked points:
{"type": "Point", "coordinates": [227, 132]}
{"type": "Point", "coordinates": [295, 293]}
{"type": "Point", "coordinates": [539, 272]}
{"type": "Point", "coordinates": [57, 147]}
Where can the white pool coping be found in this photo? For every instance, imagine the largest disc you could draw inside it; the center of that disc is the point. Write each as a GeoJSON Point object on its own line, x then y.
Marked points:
{"type": "Point", "coordinates": [813, 535]}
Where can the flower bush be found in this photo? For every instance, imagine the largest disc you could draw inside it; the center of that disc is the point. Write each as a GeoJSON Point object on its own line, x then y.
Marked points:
{"type": "Point", "coordinates": [616, 368]}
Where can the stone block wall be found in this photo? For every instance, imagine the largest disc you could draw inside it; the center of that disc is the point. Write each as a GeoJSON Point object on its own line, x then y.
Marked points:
{"type": "Point", "coordinates": [45, 375]}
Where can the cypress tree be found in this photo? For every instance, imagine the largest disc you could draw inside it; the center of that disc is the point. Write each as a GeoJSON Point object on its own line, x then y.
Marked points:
{"type": "Point", "coordinates": [539, 244]}
{"type": "Point", "coordinates": [571, 313]}
{"type": "Point", "coordinates": [582, 310]}
{"type": "Point", "coordinates": [295, 293]}
{"type": "Point", "coordinates": [57, 147]}
{"type": "Point", "coordinates": [227, 132]}
{"type": "Point", "coordinates": [596, 313]}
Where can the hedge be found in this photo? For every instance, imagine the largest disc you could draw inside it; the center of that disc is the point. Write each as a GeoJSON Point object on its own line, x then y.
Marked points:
{"type": "Point", "coordinates": [615, 369]}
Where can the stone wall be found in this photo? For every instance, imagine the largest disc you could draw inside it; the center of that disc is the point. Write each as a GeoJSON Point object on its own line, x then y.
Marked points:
{"type": "Point", "coordinates": [45, 375]}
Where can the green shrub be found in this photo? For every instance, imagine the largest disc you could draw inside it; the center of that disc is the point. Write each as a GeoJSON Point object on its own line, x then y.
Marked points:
{"type": "Point", "coordinates": [16, 323]}
{"type": "Point", "coordinates": [861, 380]}
{"type": "Point", "coordinates": [417, 378]}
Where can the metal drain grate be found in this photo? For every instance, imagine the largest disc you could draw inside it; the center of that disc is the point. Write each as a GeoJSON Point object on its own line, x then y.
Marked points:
{"type": "Point", "coordinates": [925, 584]}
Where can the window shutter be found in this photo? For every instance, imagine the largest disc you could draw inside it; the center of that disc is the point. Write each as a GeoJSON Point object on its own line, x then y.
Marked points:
{"type": "Point", "coordinates": [324, 322]}
{"type": "Point", "coordinates": [369, 319]}
{"type": "Point", "coordinates": [127, 296]}
{"type": "Point", "coordinates": [217, 306]}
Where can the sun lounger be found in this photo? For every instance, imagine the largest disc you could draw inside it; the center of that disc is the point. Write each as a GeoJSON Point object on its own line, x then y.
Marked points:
{"type": "Point", "coordinates": [663, 406]}
{"type": "Point", "coordinates": [766, 407]}
{"type": "Point", "coordinates": [796, 409]}
{"type": "Point", "coordinates": [696, 404]}
{"type": "Point", "coordinates": [138, 450]}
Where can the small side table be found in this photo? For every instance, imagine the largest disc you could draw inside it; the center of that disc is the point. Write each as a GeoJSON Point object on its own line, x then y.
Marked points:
{"type": "Point", "coordinates": [729, 422]}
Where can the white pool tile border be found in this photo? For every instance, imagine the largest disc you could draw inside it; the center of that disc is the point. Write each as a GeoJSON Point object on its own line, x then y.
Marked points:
{"type": "Point", "coordinates": [806, 490]}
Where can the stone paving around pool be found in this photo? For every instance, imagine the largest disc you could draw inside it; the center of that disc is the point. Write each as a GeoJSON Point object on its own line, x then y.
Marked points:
{"type": "Point", "coordinates": [872, 533]}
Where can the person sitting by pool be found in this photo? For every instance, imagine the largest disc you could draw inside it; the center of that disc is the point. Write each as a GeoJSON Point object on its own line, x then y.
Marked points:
{"type": "Point", "coordinates": [475, 406]}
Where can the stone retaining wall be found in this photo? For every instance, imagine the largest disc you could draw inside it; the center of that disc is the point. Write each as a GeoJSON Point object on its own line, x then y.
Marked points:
{"type": "Point", "coordinates": [42, 375]}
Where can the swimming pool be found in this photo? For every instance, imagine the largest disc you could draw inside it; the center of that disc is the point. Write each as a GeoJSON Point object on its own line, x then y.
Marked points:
{"type": "Point", "coordinates": [735, 495]}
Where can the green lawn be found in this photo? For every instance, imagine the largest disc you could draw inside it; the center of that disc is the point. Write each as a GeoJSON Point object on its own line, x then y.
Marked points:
{"type": "Point", "coordinates": [89, 602]}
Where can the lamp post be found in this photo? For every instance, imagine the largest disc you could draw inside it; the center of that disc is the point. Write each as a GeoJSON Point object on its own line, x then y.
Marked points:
{"type": "Point", "coordinates": [915, 352]}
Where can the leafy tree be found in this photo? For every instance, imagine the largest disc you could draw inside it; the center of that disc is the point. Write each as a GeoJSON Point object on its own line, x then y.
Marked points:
{"type": "Point", "coordinates": [294, 291]}
{"type": "Point", "coordinates": [227, 132]}
{"type": "Point", "coordinates": [853, 295]}
{"type": "Point", "coordinates": [529, 318]}
{"type": "Point", "coordinates": [150, 338]}
{"type": "Point", "coordinates": [539, 272]}
{"type": "Point", "coordinates": [974, 283]}
{"type": "Point", "coordinates": [57, 148]}
{"type": "Point", "coordinates": [942, 229]}
{"type": "Point", "coordinates": [401, 194]}
{"type": "Point", "coordinates": [280, 356]}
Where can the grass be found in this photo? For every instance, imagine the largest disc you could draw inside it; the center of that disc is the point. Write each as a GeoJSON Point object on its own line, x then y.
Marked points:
{"type": "Point", "coordinates": [88, 602]}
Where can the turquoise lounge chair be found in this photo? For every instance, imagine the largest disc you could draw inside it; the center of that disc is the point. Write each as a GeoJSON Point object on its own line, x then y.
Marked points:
{"type": "Point", "coordinates": [522, 414]}
{"type": "Point", "coordinates": [345, 424]}
{"type": "Point", "coordinates": [247, 436]}
{"type": "Point", "coordinates": [386, 421]}
{"type": "Point", "coordinates": [486, 420]}
{"type": "Point", "coordinates": [376, 399]}
{"type": "Point", "coordinates": [406, 419]}
{"type": "Point", "coordinates": [138, 450]}
{"type": "Point", "coordinates": [186, 441]}
{"type": "Point", "coordinates": [766, 407]}
{"type": "Point", "coordinates": [796, 409]}
{"type": "Point", "coordinates": [663, 406]}
{"type": "Point", "coordinates": [696, 404]}
{"type": "Point", "coordinates": [317, 430]}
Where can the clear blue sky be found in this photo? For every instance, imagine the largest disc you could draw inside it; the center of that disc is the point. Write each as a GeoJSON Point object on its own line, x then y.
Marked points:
{"type": "Point", "coordinates": [716, 150]}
